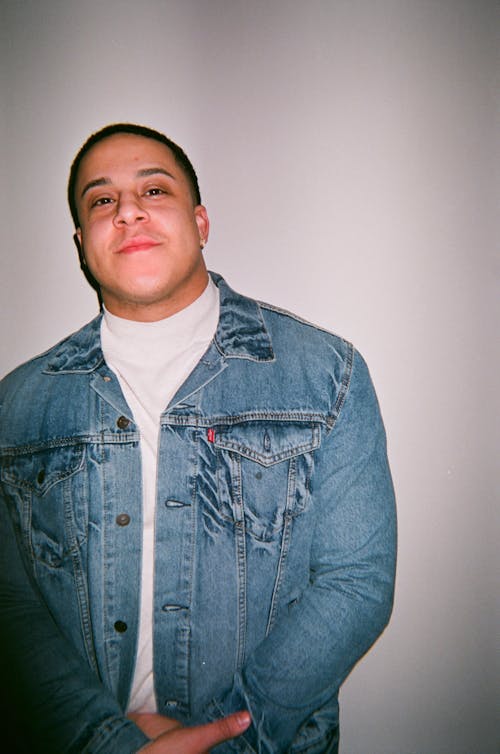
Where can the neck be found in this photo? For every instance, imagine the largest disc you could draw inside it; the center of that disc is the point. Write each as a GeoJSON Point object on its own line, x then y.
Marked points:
{"type": "Point", "coordinates": [155, 310]}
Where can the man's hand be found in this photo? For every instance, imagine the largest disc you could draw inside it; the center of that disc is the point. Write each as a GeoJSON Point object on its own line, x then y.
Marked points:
{"type": "Point", "coordinates": [153, 724]}
{"type": "Point", "coordinates": [172, 738]}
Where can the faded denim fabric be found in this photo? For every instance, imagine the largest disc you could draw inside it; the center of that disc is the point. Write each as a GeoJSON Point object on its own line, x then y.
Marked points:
{"type": "Point", "coordinates": [275, 536]}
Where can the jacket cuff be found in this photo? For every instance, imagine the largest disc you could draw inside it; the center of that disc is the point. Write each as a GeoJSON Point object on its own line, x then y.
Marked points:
{"type": "Point", "coordinates": [116, 736]}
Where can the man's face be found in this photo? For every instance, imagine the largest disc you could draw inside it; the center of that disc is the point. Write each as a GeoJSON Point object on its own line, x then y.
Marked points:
{"type": "Point", "coordinates": [139, 229]}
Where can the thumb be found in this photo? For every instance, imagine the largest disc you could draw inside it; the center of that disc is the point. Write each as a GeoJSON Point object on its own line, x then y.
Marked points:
{"type": "Point", "coordinates": [203, 737]}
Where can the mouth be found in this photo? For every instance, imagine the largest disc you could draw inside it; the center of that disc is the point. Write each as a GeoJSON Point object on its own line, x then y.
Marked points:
{"type": "Point", "coordinates": [137, 243]}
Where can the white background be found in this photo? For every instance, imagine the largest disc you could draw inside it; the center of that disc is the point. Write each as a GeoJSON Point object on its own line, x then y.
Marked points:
{"type": "Point", "coordinates": [345, 151]}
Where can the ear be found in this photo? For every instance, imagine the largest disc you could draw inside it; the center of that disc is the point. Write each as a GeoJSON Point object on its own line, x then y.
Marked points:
{"type": "Point", "coordinates": [77, 238]}
{"type": "Point", "coordinates": [203, 223]}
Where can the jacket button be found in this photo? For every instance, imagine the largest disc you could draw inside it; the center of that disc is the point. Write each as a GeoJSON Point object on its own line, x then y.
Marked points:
{"type": "Point", "coordinates": [40, 476]}
{"type": "Point", "coordinates": [123, 519]}
{"type": "Point", "coordinates": [120, 626]}
{"type": "Point", "coordinates": [123, 422]}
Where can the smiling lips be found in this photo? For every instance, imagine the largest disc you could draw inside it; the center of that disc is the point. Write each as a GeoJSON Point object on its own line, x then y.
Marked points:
{"type": "Point", "coordinates": [137, 243]}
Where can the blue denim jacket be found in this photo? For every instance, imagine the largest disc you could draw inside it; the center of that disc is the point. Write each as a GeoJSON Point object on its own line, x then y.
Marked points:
{"type": "Point", "coordinates": [275, 536]}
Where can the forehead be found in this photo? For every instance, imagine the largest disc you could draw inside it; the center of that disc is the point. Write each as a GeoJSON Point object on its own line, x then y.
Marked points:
{"type": "Point", "coordinates": [125, 153]}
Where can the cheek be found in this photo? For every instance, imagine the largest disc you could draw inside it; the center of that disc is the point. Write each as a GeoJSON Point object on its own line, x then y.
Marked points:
{"type": "Point", "coordinates": [93, 237]}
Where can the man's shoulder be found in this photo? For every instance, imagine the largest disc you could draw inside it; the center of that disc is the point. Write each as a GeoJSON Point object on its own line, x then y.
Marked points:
{"type": "Point", "coordinates": [45, 361]}
{"type": "Point", "coordinates": [308, 365]}
{"type": "Point", "coordinates": [276, 316]}
{"type": "Point", "coordinates": [301, 347]}
{"type": "Point", "coordinates": [288, 332]}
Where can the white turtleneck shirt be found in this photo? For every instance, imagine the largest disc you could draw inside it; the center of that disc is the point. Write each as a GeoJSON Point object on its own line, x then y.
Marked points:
{"type": "Point", "coordinates": [151, 361]}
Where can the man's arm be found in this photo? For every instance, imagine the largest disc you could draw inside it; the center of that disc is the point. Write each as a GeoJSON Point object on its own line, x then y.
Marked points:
{"type": "Point", "coordinates": [64, 707]}
{"type": "Point", "coordinates": [310, 651]}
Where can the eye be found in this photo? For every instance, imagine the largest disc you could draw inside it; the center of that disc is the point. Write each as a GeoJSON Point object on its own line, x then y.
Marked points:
{"type": "Point", "coordinates": [102, 200]}
{"type": "Point", "coordinates": [155, 191]}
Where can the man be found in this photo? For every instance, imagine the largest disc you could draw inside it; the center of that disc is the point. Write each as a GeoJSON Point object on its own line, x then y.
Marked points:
{"type": "Point", "coordinates": [197, 510]}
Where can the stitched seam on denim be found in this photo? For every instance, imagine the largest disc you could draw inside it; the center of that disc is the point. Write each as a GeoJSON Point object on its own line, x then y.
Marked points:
{"type": "Point", "coordinates": [301, 320]}
{"type": "Point", "coordinates": [240, 553]}
{"type": "Point", "coordinates": [246, 356]}
{"type": "Point", "coordinates": [88, 370]}
{"type": "Point", "coordinates": [190, 576]}
{"type": "Point", "coordinates": [267, 460]}
{"type": "Point", "coordinates": [26, 527]}
{"type": "Point", "coordinates": [344, 386]}
{"type": "Point", "coordinates": [285, 542]}
{"type": "Point", "coordinates": [107, 728]}
{"type": "Point", "coordinates": [230, 420]}
{"type": "Point", "coordinates": [79, 578]}
{"type": "Point", "coordinates": [75, 555]}
{"type": "Point", "coordinates": [15, 481]}
{"type": "Point", "coordinates": [61, 442]}
{"type": "Point", "coordinates": [107, 608]}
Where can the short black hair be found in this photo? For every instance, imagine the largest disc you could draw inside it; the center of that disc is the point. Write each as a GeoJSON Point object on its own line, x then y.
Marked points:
{"type": "Point", "coordinates": [130, 128]}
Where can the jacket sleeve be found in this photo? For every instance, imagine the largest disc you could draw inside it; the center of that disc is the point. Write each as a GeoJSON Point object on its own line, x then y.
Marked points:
{"type": "Point", "coordinates": [62, 704]}
{"type": "Point", "coordinates": [299, 667]}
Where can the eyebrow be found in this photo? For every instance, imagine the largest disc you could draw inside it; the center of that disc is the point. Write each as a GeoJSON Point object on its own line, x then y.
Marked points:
{"type": "Point", "coordinates": [153, 171]}
{"type": "Point", "coordinates": [143, 173]}
{"type": "Point", "coordinates": [92, 184]}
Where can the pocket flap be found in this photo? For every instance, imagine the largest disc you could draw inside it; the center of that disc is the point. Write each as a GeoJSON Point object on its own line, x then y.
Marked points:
{"type": "Point", "coordinates": [41, 469]}
{"type": "Point", "coordinates": [268, 442]}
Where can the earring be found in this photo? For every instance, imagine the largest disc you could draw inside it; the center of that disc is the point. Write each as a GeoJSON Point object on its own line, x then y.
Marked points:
{"type": "Point", "coordinates": [202, 243]}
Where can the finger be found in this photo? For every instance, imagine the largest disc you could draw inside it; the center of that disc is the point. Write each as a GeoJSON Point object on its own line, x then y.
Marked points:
{"type": "Point", "coordinates": [153, 725]}
{"type": "Point", "coordinates": [201, 738]}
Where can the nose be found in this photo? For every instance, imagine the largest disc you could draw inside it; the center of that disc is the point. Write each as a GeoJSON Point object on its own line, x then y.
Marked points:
{"type": "Point", "coordinates": [129, 210]}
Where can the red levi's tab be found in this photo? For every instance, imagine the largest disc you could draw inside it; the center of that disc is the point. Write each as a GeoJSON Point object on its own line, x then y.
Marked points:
{"type": "Point", "coordinates": [211, 435]}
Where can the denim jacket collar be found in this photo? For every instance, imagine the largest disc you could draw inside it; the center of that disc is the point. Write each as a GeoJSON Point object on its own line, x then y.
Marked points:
{"type": "Point", "coordinates": [241, 333]}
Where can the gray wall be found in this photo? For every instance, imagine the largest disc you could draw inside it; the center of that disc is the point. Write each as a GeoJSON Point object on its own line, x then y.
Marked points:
{"type": "Point", "coordinates": [345, 151]}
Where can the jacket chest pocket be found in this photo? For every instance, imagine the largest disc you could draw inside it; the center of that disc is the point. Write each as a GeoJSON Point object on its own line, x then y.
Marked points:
{"type": "Point", "coordinates": [264, 470]}
{"type": "Point", "coordinates": [43, 487]}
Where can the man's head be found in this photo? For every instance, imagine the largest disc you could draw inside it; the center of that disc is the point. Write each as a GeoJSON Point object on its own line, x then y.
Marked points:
{"type": "Point", "coordinates": [140, 226]}
{"type": "Point", "coordinates": [130, 128]}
